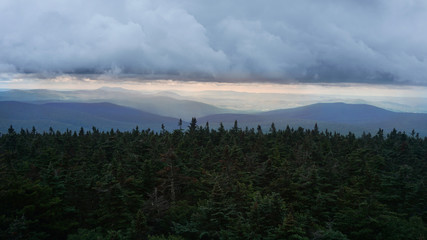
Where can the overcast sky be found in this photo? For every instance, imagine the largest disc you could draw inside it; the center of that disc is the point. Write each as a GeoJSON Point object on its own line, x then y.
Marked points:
{"type": "Point", "coordinates": [364, 41]}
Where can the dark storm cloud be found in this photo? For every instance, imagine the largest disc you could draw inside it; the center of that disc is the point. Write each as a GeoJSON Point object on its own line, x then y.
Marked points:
{"type": "Point", "coordinates": [378, 41]}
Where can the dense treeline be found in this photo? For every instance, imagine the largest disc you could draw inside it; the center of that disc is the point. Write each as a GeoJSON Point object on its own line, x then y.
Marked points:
{"type": "Point", "coordinates": [202, 183]}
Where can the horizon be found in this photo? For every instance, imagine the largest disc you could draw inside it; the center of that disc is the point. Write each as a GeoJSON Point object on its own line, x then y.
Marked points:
{"type": "Point", "coordinates": [251, 96]}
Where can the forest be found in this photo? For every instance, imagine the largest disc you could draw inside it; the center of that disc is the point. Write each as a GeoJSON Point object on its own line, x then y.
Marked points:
{"type": "Point", "coordinates": [202, 183]}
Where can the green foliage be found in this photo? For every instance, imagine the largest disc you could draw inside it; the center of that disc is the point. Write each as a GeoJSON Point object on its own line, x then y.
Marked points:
{"type": "Point", "coordinates": [170, 237]}
{"type": "Point", "coordinates": [330, 234]}
{"type": "Point", "coordinates": [87, 234]}
{"type": "Point", "coordinates": [202, 183]}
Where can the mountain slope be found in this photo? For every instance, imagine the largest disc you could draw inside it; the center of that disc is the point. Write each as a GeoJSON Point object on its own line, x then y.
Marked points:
{"type": "Point", "coordinates": [61, 116]}
{"type": "Point", "coordinates": [335, 112]}
{"type": "Point", "coordinates": [338, 117]}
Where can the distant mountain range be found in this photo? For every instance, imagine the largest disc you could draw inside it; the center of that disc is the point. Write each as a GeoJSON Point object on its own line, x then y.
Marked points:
{"type": "Point", "coordinates": [127, 109]}
{"type": "Point", "coordinates": [165, 104]}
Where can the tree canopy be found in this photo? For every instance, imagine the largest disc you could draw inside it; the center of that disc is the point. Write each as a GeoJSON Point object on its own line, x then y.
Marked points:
{"type": "Point", "coordinates": [202, 183]}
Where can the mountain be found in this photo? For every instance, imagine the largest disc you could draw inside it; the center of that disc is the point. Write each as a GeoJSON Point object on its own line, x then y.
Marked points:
{"type": "Point", "coordinates": [340, 117]}
{"type": "Point", "coordinates": [335, 112]}
{"type": "Point", "coordinates": [161, 104]}
{"type": "Point", "coordinates": [73, 116]}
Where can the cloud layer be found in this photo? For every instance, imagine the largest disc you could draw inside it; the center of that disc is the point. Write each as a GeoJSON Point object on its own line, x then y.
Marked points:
{"type": "Point", "coordinates": [378, 41]}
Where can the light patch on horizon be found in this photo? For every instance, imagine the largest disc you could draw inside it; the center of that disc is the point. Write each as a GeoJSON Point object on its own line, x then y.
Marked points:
{"type": "Point", "coordinates": [69, 82]}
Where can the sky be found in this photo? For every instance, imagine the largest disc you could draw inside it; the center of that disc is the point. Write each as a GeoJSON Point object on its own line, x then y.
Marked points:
{"type": "Point", "coordinates": [375, 41]}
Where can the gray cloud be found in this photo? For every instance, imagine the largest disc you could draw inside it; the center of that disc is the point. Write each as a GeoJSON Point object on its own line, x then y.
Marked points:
{"type": "Point", "coordinates": [378, 41]}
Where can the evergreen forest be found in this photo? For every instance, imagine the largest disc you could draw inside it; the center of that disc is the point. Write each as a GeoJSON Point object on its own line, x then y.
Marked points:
{"type": "Point", "coordinates": [202, 183]}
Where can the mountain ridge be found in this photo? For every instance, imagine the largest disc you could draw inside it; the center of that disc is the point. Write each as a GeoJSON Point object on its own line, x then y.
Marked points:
{"type": "Point", "coordinates": [156, 104]}
{"type": "Point", "coordinates": [339, 117]}
{"type": "Point", "coordinates": [76, 115]}
{"type": "Point", "coordinates": [333, 116]}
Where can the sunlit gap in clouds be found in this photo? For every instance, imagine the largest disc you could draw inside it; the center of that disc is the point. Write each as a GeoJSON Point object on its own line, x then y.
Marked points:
{"type": "Point", "coordinates": [67, 82]}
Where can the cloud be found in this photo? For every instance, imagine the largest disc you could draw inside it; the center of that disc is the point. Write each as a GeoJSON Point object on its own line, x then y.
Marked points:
{"type": "Point", "coordinates": [379, 41]}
